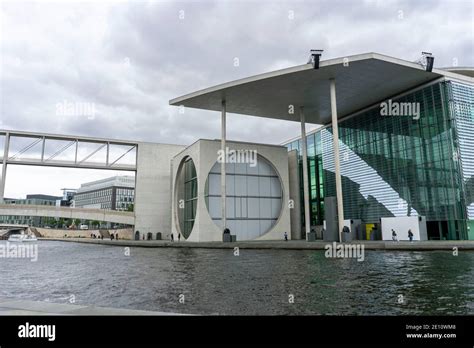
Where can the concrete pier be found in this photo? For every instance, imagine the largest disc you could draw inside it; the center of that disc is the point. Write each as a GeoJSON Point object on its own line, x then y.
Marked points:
{"type": "Point", "coordinates": [11, 306]}
{"type": "Point", "coordinates": [289, 245]}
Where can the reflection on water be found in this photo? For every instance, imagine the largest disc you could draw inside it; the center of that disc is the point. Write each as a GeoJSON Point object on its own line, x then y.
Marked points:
{"type": "Point", "coordinates": [256, 282]}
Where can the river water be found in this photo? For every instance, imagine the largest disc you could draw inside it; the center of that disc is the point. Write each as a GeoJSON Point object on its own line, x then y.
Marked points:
{"type": "Point", "coordinates": [214, 281]}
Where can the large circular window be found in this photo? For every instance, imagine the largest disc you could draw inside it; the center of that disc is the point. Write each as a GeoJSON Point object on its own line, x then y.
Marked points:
{"type": "Point", "coordinates": [186, 196]}
{"type": "Point", "coordinates": [253, 197]}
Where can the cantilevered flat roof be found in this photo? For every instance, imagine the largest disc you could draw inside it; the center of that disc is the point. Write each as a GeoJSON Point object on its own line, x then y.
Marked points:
{"type": "Point", "coordinates": [465, 70]}
{"type": "Point", "coordinates": [367, 79]}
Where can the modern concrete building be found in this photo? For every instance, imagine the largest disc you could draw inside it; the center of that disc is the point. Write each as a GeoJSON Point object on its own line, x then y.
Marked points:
{"type": "Point", "coordinates": [114, 193]}
{"type": "Point", "coordinates": [153, 189]}
{"type": "Point", "coordinates": [32, 199]}
{"type": "Point", "coordinates": [395, 141]}
{"type": "Point", "coordinates": [257, 191]}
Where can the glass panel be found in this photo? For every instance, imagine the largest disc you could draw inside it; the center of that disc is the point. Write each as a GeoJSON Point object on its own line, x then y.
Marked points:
{"type": "Point", "coordinates": [249, 201]}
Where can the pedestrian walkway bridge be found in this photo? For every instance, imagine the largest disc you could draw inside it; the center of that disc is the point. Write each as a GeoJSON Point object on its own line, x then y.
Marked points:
{"type": "Point", "coordinates": [119, 217]}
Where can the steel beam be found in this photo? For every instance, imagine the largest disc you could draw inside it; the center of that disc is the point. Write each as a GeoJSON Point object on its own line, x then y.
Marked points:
{"type": "Point", "coordinates": [6, 148]}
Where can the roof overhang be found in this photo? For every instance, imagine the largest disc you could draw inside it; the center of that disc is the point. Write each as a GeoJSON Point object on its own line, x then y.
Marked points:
{"type": "Point", "coordinates": [367, 79]}
{"type": "Point", "coordinates": [466, 71]}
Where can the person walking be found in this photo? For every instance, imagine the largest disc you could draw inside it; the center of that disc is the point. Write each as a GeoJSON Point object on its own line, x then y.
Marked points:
{"type": "Point", "coordinates": [394, 235]}
{"type": "Point", "coordinates": [410, 235]}
{"type": "Point", "coordinates": [172, 237]}
{"type": "Point", "coordinates": [179, 237]}
{"type": "Point", "coordinates": [286, 237]}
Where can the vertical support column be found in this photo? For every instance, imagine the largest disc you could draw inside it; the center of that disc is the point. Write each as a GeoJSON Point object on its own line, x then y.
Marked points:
{"type": "Point", "coordinates": [42, 148]}
{"type": "Point", "coordinates": [223, 171]}
{"type": "Point", "coordinates": [4, 166]}
{"type": "Point", "coordinates": [304, 152]}
{"type": "Point", "coordinates": [107, 155]}
{"type": "Point", "coordinates": [75, 156]}
{"type": "Point", "coordinates": [337, 164]}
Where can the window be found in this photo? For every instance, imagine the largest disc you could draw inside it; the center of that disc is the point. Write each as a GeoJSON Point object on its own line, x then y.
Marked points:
{"type": "Point", "coordinates": [253, 198]}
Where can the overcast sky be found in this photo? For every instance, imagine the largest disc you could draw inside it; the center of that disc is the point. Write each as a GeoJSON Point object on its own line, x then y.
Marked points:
{"type": "Point", "coordinates": [128, 59]}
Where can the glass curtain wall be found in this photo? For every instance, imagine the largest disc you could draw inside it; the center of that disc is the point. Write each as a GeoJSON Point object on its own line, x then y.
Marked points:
{"type": "Point", "coordinates": [402, 165]}
{"type": "Point", "coordinates": [460, 99]}
{"type": "Point", "coordinates": [253, 197]}
{"type": "Point", "coordinates": [190, 197]}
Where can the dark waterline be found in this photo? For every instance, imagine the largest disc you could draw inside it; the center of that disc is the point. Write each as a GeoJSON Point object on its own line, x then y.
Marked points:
{"type": "Point", "coordinates": [215, 281]}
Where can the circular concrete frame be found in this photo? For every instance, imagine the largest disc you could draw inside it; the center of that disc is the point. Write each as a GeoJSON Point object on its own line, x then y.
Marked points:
{"type": "Point", "coordinates": [282, 188]}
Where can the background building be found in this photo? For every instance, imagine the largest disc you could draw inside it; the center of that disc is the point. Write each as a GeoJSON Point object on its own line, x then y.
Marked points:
{"type": "Point", "coordinates": [114, 193]}
{"type": "Point", "coordinates": [33, 199]}
{"type": "Point", "coordinates": [67, 199]}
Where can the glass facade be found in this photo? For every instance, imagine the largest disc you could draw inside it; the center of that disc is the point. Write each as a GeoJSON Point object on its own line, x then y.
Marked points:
{"type": "Point", "coordinates": [460, 98]}
{"type": "Point", "coordinates": [124, 198]}
{"type": "Point", "coordinates": [111, 198]}
{"type": "Point", "coordinates": [36, 221]}
{"type": "Point", "coordinates": [401, 165]}
{"type": "Point", "coordinates": [253, 197]}
{"type": "Point", "coordinates": [101, 199]}
{"type": "Point", "coordinates": [114, 193]}
{"type": "Point", "coordinates": [190, 197]}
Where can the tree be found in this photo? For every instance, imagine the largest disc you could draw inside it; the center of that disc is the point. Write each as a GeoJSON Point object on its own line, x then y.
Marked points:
{"type": "Point", "coordinates": [130, 207]}
{"type": "Point", "coordinates": [77, 222]}
{"type": "Point", "coordinates": [95, 223]}
{"type": "Point", "coordinates": [49, 221]}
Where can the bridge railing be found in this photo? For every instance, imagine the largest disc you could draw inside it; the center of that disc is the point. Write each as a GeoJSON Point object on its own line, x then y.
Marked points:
{"type": "Point", "coordinates": [41, 149]}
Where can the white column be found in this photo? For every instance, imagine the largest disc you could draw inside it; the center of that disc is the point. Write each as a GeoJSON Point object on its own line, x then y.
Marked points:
{"type": "Point", "coordinates": [304, 153]}
{"type": "Point", "coordinates": [4, 166]}
{"type": "Point", "coordinates": [223, 163]}
{"type": "Point", "coordinates": [43, 144]}
{"type": "Point", "coordinates": [337, 164]}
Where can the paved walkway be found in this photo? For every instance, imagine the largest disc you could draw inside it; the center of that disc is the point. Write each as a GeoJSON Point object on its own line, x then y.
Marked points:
{"type": "Point", "coordinates": [10, 306]}
{"type": "Point", "coordinates": [290, 245]}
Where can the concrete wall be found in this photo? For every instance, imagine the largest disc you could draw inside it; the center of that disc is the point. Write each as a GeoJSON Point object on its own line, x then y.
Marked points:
{"type": "Point", "coordinates": [124, 233]}
{"type": "Point", "coordinates": [295, 195]}
{"type": "Point", "coordinates": [204, 156]}
{"type": "Point", "coordinates": [153, 188]}
{"type": "Point", "coordinates": [401, 225]}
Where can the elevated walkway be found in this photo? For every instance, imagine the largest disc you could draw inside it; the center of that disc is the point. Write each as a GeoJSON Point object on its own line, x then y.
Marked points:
{"type": "Point", "coordinates": [119, 217]}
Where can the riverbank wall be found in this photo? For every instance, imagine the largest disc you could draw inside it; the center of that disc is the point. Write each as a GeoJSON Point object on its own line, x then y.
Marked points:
{"type": "Point", "coordinates": [451, 245]}
{"type": "Point", "coordinates": [123, 233]}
